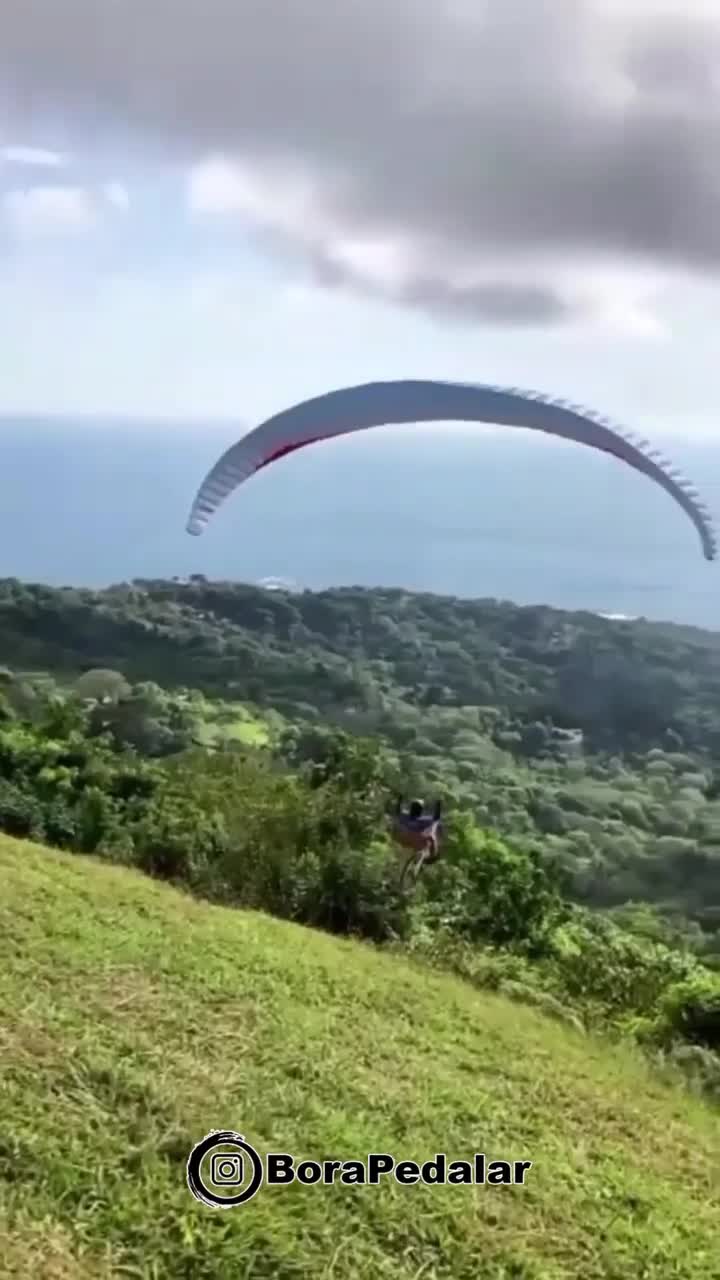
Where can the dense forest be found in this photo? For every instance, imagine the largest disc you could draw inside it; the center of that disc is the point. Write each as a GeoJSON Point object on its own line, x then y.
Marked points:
{"type": "Point", "coordinates": [598, 739]}
{"type": "Point", "coordinates": [247, 743]}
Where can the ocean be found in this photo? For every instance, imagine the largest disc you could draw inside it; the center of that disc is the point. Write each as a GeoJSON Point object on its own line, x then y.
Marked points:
{"type": "Point", "coordinates": [456, 510]}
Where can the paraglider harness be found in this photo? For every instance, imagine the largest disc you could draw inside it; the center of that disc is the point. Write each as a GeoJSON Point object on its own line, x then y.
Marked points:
{"type": "Point", "coordinates": [420, 833]}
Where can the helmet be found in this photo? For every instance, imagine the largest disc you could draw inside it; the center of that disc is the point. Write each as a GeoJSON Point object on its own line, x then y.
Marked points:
{"type": "Point", "coordinates": [416, 808]}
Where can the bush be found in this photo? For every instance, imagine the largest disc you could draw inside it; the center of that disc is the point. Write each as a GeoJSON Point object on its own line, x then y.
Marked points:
{"type": "Point", "coordinates": [176, 840]}
{"type": "Point", "coordinates": [699, 1067]}
{"type": "Point", "coordinates": [20, 814]}
{"type": "Point", "coordinates": [691, 1010]}
{"type": "Point", "coordinates": [611, 975]}
{"type": "Point", "coordinates": [490, 891]}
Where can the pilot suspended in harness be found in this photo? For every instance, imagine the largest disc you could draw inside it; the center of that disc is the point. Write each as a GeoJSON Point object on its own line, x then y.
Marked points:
{"type": "Point", "coordinates": [417, 829]}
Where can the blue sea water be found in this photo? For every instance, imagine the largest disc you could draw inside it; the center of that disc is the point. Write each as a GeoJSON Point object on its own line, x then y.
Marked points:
{"type": "Point", "coordinates": [463, 511]}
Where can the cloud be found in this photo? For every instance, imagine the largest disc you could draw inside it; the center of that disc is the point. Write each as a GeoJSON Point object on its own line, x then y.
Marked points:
{"type": "Point", "coordinates": [55, 208]}
{"type": "Point", "coordinates": [489, 157]}
{"type": "Point", "coordinates": [416, 272]}
{"type": "Point", "coordinates": [116, 195]}
{"type": "Point", "coordinates": [32, 157]}
{"type": "Point", "coordinates": [41, 211]}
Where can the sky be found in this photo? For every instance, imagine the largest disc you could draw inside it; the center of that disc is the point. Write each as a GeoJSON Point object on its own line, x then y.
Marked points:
{"type": "Point", "coordinates": [213, 208]}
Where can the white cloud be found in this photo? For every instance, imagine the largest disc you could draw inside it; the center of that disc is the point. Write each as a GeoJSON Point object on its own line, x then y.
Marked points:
{"type": "Point", "coordinates": [218, 186]}
{"type": "Point", "coordinates": [40, 211]}
{"type": "Point", "coordinates": [116, 195]}
{"type": "Point", "coordinates": [33, 157]}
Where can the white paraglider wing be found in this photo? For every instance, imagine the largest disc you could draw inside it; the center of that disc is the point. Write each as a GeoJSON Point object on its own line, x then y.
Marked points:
{"type": "Point", "coordinates": [376, 404]}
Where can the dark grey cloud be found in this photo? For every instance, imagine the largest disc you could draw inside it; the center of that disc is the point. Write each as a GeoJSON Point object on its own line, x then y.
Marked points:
{"type": "Point", "coordinates": [481, 133]}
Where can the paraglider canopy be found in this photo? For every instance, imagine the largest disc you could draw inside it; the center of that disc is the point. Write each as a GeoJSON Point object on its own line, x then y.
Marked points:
{"type": "Point", "coordinates": [375, 404]}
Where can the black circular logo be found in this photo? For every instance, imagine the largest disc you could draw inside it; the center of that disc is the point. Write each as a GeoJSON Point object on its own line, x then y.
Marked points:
{"type": "Point", "coordinates": [235, 1171]}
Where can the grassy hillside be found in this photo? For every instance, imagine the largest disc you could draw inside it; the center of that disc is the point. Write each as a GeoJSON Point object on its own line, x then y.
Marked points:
{"type": "Point", "coordinates": [135, 1019]}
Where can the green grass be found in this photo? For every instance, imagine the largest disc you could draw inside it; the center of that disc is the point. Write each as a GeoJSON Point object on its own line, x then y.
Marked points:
{"type": "Point", "coordinates": [134, 1019]}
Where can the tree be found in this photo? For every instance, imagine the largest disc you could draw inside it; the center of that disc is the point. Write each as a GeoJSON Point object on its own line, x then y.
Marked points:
{"type": "Point", "coordinates": [100, 684]}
